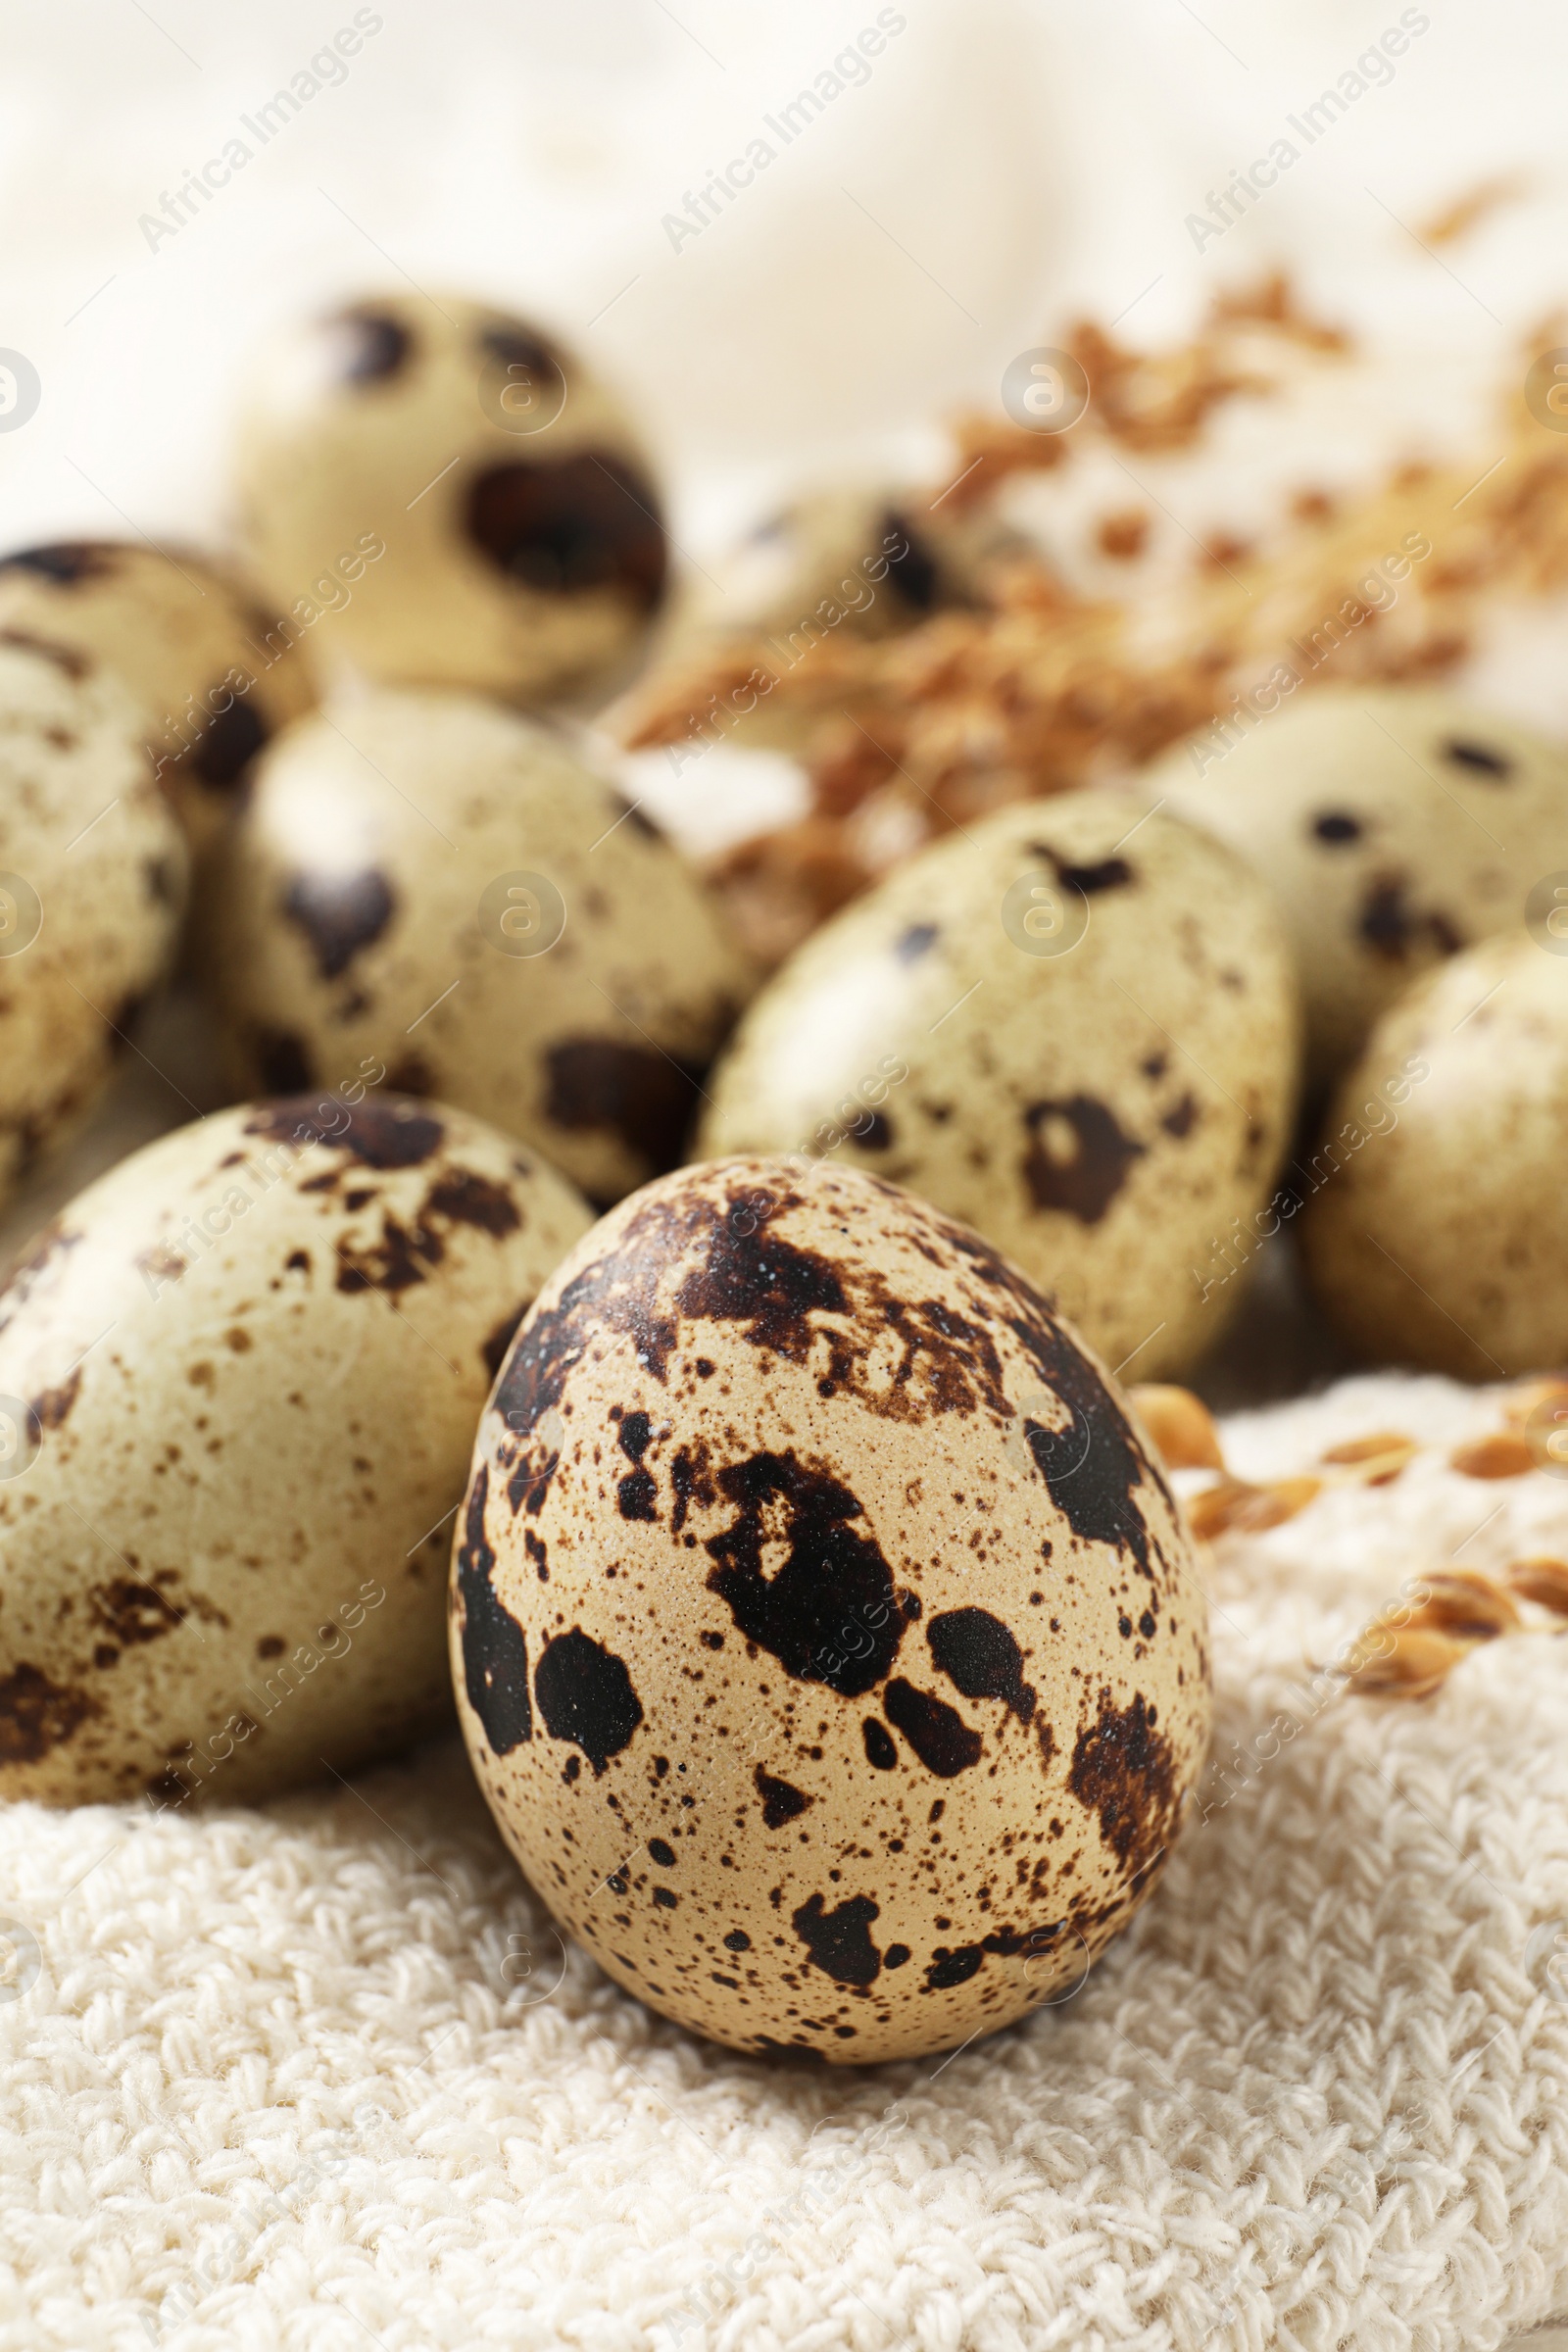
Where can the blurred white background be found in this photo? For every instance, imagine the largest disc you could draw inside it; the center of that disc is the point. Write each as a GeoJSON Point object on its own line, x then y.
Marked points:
{"type": "Point", "coordinates": [1006, 163]}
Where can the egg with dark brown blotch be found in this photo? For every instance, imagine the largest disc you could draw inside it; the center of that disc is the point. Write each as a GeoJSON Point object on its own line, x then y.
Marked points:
{"type": "Point", "coordinates": [239, 1380]}
{"type": "Point", "coordinates": [826, 1640]}
{"type": "Point", "coordinates": [93, 877]}
{"type": "Point", "coordinates": [1394, 824]}
{"type": "Point", "coordinates": [472, 504]}
{"type": "Point", "coordinates": [1072, 1026]}
{"type": "Point", "coordinates": [432, 880]}
{"type": "Point", "coordinates": [871, 561]}
{"type": "Point", "coordinates": [213, 675]}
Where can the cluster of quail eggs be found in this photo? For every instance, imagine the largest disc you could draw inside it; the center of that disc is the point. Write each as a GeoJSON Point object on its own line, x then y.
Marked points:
{"type": "Point", "coordinates": [825, 1636]}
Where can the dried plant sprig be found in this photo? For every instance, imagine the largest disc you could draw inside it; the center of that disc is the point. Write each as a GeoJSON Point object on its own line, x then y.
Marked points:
{"type": "Point", "coordinates": [1373, 1461]}
{"type": "Point", "coordinates": [1503, 1453]}
{"type": "Point", "coordinates": [1543, 1581]}
{"type": "Point", "coordinates": [1234, 1506]}
{"type": "Point", "coordinates": [1413, 1662]}
{"type": "Point", "coordinates": [909, 735]}
{"type": "Point", "coordinates": [1179, 1424]}
{"type": "Point", "coordinates": [1466, 1605]}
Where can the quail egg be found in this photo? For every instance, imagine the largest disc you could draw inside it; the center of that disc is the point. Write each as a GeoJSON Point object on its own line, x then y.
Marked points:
{"type": "Point", "coordinates": [874, 561]}
{"type": "Point", "coordinates": [1396, 824]}
{"type": "Point", "coordinates": [826, 1642]}
{"type": "Point", "coordinates": [518, 532]}
{"type": "Point", "coordinates": [239, 1380]}
{"type": "Point", "coordinates": [1431, 1226]}
{"type": "Point", "coordinates": [212, 674]}
{"type": "Point", "coordinates": [428, 878]}
{"type": "Point", "coordinates": [1073, 1029]}
{"type": "Point", "coordinates": [92, 886]}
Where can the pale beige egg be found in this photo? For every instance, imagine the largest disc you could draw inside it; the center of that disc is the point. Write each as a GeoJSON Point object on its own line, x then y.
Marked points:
{"type": "Point", "coordinates": [1432, 1224]}
{"type": "Point", "coordinates": [432, 880]}
{"type": "Point", "coordinates": [508, 523]}
{"type": "Point", "coordinates": [92, 886]}
{"type": "Point", "coordinates": [213, 675]}
{"type": "Point", "coordinates": [1394, 826]}
{"type": "Point", "coordinates": [873, 561]}
{"type": "Point", "coordinates": [1074, 1028]}
{"type": "Point", "coordinates": [826, 1639]}
{"type": "Point", "coordinates": [239, 1378]}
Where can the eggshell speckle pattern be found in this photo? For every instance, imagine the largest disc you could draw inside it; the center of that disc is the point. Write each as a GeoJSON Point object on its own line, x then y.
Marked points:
{"type": "Point", "coordinates": [1394, 824]}
{"type": "Point", "coordinates": [212, 674]}
{"type": "Point", "coordinates": [432, 880]}
{"type": "Point", "coordinates": [520, 536]}
{"type": "Point", "coordinates": [239, 1378]}
{"type": "Point", "coordinates": [92, 886]}
{"type": "Point", "coordinates": [826, 1642]}
{"type": "Point", "coordinates": [875, 563]}
{"type": "Point", "coordinates": [1070, 1028]}
{"type": "Point", "coordinates": [1434, 1236]}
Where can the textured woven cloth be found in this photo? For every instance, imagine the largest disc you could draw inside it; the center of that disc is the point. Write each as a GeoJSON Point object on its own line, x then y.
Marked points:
{"type": "Point", "coordinates": [320, 2075]}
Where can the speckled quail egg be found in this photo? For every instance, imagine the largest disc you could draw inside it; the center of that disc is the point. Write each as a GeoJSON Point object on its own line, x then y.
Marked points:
{"type": "Point", "coordinates": [211, 673]}
{"type": "Point", "coordinates": [1433, 1225]}
{"type": "Point", "coordinates": [1072, 1029]}
{"type": "Point", "coordinates": [434, 880]}
{"type": "Point", "coordinates": [825, 1640]}
{"type": "Point", "coordinates": [92, 886]}
{"type": "Point", "coordinates": [874, 561]}
{"type": "Point", "coordinates": [239, 1380]}
{"type": "Point", "coordinates": [518, 538]}
{"type": "Point", "coordinates": [1396, 824]}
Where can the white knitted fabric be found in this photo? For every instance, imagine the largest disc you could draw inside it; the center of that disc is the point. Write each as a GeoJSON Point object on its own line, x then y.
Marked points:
{"type": "Point", "coordinates": [319, 2074]}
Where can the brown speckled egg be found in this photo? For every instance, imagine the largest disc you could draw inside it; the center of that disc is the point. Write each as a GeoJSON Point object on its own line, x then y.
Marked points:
{"type": "Point", "coordinates": [825, 1639]}
{"type": "Point", "coordinates": [1433, 1231]}
{"type": "Point", "coordinates": [1071, 1027]}
{"type": "Point", "coordinates": [92, 886]}
{"type": "Point", "coordinates": [1394, 824]}
{"type": "Point", "coordinates": [239, 1378]}
{"type": "Point", "coordinates": [212, 674]}
{"type": "Point", "coordinates": [512, 520]}
{"type": "Point", "coordinates": [435, 881]}
{"type": "Point", "coordinates": [873, 563]}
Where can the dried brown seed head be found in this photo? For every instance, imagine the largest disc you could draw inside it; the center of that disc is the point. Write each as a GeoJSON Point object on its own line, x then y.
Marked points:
{"type": "Point", "coordinates": [1234, 1506]}
{"type": "Point", "coordinates": [1466, 1606]}
{"type": "Point", "coordinates": [1502, 1454]}
{"type": "Point", "coordinates": [1372, 1448]}
{"type": "Point", "coordinates": [1543, 1581]}
{"type": "Point", "coordinates": [1403, 1663]}
{"type": "Point", "coordinates": [1180, 1426]}
{"type": "Point", "coordinates": [1375, 1460]}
